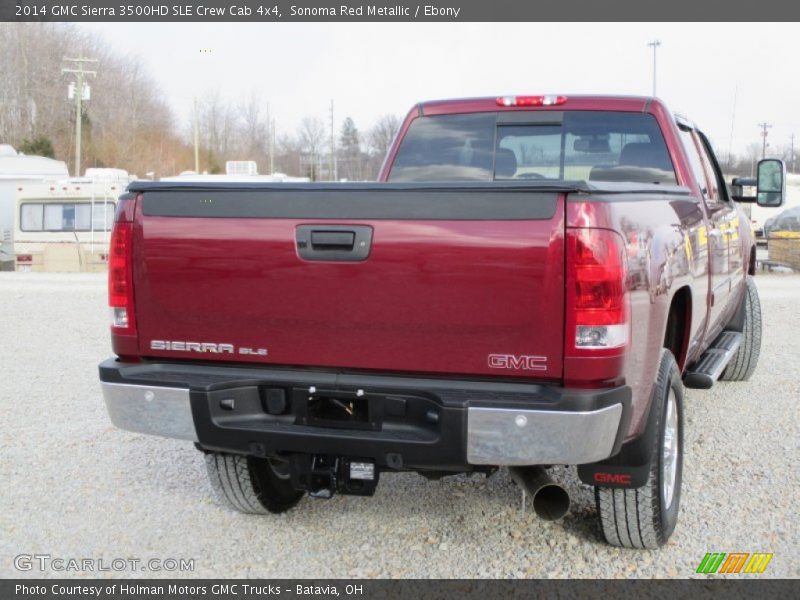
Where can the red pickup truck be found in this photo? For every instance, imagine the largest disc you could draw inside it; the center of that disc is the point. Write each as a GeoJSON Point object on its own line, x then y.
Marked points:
{"type": "Point", "coordinates": [532, 282]}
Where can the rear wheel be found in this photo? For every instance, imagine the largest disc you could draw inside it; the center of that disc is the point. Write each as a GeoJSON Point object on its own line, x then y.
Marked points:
{"type": "Point", "coordinates": [744, 362]}
{"type": "Point", "coordinates": [251, 485]}
{"type": "Point", "coordinates": [645, 517]}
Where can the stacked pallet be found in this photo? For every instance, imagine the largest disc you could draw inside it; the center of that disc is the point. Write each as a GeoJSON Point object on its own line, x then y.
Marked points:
{"type": "Point", "coordinates": [784, 248]}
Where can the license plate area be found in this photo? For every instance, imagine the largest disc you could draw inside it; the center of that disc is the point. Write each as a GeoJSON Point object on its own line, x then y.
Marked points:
{"type": "Point", "coordinates": [337, 409]}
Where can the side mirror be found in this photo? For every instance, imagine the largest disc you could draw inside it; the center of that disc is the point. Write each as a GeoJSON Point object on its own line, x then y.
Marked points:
{"type": "Point", "coordinates": [768, 189]}
{"type": "Point", "coordinates": [771, 186]}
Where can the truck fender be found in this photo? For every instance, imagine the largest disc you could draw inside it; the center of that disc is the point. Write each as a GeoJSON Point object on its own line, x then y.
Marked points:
{"type": "Point", "coordinates": [629, 468]}
{"type": "Point", "coordinates": [737, 321]}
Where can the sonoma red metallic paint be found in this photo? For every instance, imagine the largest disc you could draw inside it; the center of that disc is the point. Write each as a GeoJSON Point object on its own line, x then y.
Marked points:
{"type": "Point", "coordinates": [434, 296]}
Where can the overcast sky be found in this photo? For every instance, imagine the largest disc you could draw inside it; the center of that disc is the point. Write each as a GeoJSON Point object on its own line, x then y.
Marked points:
{"type": "Point", "coordinates": [370, 68]}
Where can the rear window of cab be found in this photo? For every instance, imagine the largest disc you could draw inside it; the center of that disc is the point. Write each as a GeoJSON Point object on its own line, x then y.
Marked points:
{"type": "Point", "coordinates": [534, 145]}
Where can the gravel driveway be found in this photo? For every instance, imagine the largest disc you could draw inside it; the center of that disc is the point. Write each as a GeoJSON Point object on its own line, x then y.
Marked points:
{"type": "Point", "coordinates": [73, 486]}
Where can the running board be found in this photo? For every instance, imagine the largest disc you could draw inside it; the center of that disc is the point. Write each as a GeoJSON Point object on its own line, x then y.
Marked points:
{"type": "Point", "coordinates": [707, 370]}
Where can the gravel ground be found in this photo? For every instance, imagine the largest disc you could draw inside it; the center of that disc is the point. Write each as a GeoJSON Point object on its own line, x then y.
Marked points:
{"type": "Point", "coordinates": [74, 486]}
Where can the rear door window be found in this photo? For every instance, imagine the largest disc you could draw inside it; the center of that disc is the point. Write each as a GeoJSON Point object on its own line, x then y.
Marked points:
{"type": "Point", "coordinates": [695, 162]}
{"type": "Point", "coordinates": [585, 145]}
{"type": "Point", "coordinates": [447, 148]}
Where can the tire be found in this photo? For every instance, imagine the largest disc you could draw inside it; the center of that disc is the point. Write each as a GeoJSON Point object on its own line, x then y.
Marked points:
{"type": "Point", "coordinates": [251, 485]}
{"type": "Point", "coordinates": [645, 517]}
{"type": "Point", "coordinates": [745, 360]}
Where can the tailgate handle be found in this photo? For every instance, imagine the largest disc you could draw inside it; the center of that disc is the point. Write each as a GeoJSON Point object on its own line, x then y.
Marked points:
{"type": "Point", "coordinates": [332, 239]}
{"type": "Point", "coordinates": [342, 243]}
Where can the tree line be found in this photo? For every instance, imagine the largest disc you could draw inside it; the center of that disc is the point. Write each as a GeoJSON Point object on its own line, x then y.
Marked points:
{"type": "Point", "coordinates": [127, 123]}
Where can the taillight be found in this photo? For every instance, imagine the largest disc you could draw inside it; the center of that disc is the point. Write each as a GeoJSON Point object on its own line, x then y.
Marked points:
{"type": "Point", "coordinates": [120, 270]}
{"type": "Point", "coordinates": [597, 298]}
{"type": "Point", "coordinates": [531, 100]}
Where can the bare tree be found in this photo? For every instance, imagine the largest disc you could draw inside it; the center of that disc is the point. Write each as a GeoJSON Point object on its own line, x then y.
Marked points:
{"type": "Point", "coordinates": [379, 140]}
{"type": "Point", "coordinates": [217, 123]}
{"type": "Point", "coordinates": [382, 134]}
{"type": "Point", "coordinates": [126, 123]}
{"type": "Point", "coordinates": [350, 156]}
{"type": "Point", "coordinates": [312, 137]}
{"type": "Point", "coordinates": [289, 156]}
{"type": "Point", "coordinates": [253, 129]}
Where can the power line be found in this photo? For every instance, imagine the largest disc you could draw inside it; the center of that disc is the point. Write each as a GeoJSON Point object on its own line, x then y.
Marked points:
{"type": "Point", "coordinates": [79, 73]}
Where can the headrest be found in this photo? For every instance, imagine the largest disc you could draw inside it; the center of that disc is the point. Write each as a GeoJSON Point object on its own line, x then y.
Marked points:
{"type": "Point", "coordinates": [645, 154]}
{"type": "Point", "coordinates": [505, 163]}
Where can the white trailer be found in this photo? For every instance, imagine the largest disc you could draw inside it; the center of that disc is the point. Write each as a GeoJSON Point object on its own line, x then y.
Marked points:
{"type": "Point", "coordinates": [65, 226]}
{"type": "Point", "coordinates": [237, 171]}
{"type": "Point", "coordinates": [17, 170]}
{"type": "Point", "coordinates": [231, 178]}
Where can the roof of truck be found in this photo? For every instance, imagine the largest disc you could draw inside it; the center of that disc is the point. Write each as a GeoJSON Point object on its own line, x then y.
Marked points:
{"type": "Point", "coordinates": [571, 102]}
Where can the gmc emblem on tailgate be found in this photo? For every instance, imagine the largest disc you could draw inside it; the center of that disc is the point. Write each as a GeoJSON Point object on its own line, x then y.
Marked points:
{"type": "Point", "coordinates": [518, 363]}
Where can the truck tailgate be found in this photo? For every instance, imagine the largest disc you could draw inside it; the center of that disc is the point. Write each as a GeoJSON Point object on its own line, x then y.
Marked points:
{"type": "Point", "coordinates": [459, 280]}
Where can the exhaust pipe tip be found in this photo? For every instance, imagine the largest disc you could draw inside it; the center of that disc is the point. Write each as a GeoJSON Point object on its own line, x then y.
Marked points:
{"type": "Point", "coordinates": [550, 500]}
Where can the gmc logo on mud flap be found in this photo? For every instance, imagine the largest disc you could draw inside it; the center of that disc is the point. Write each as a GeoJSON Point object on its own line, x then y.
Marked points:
{"type": "Point", "coordinates": [518, 363]}
{"type": "Point", "coordinates": [619, 478]}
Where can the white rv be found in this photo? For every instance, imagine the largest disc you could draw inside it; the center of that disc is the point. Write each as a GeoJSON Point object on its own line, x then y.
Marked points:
{"type": "Point", "coordinates": [239, 171]}
{"type": "Point", "coordinates": [65, 225]}
{"type": "Point", "coordinates": [18, 170]}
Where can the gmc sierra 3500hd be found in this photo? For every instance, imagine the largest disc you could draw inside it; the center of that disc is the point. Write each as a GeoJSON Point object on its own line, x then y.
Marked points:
{"type": "Point", "coordinates": [532, 282]}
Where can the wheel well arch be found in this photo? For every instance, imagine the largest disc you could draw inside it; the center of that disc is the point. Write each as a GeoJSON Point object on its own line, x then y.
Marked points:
{"type": "Point", "coordinates": [678, 325]}
{"type": "Point", "coordinates": [751, 267]}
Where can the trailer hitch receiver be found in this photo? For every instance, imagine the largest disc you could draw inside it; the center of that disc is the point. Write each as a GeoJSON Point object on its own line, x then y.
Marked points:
{"type": "Point", "coordinates": [322, 475]}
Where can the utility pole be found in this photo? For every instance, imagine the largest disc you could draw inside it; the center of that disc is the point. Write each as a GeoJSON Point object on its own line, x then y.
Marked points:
{"type": "Point", "coordinates": [791, 154]}
{"type": "Point", "coordinates": [79, 73]}
{"type": "Point", "coordinates": [196, 126]}
{"type": "Point", "coordinates": [332, 166]}
{"type": "Point", "coordinates": [764, 134]}
{"type": "Point", "coordinates": [272, 147]}
{"type": "Point", "coordinates": [196, 140]}
{"type": "Point", "coordinates": [269, 138]}
{"type": "Point", "coordinates": [654, 44]}
{"type": "Point", "coordinates": [733, 122]}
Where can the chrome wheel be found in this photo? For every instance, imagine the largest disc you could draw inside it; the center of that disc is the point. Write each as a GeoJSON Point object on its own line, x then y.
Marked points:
{"type": "Point", "coordinates": [670, 450]}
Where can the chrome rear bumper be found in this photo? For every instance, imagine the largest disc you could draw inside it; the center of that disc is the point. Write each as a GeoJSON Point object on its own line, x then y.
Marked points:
{"type": "Point", "coordinates": [495, 436]}
{"type": "Point", "coordinates": [500, 436]}
{"type": "Point", "coordinates": [153, 410]}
